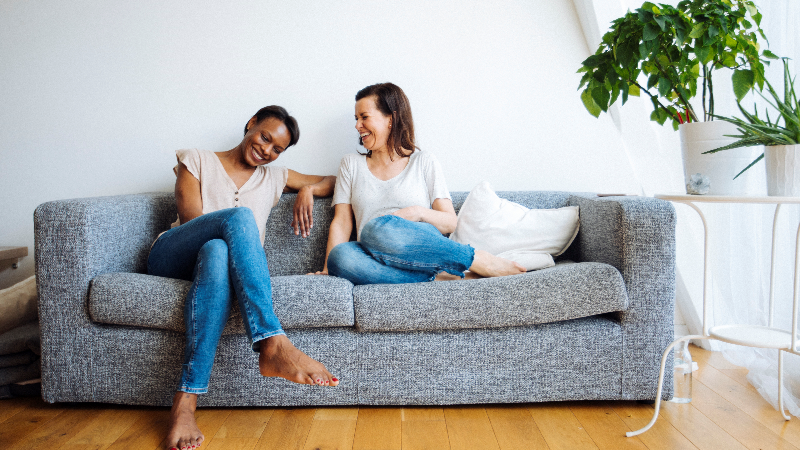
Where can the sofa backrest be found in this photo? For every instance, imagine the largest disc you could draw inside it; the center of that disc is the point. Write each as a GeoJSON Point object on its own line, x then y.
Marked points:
{"type": "Point", "coordinates": [288, 254]}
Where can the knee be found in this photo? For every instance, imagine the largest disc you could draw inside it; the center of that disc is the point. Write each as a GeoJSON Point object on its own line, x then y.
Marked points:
{"type": "Point", "coordinates": [342, 260]}
{"type": "Point", "coordinates": [212, 260]}
{"type": "Point", "coordinates": [240, 219]}
{"type": "Point", "coordinates": [384, 234]}
{"type": "Point", "coordinates": [240, 215]}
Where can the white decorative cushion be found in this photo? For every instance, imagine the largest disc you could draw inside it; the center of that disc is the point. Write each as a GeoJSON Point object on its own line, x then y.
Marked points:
{"type": "Point", "coordinates": [530, 237]}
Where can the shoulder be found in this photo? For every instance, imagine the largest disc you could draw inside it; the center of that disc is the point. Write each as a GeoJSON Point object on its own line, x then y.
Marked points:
{"type": "Point", "coordinates": [278, 174]}
{"type": "Point", "coordinates": [278, 171]}
{"type": "Point", "coordinates": [352, 158]}
{"type": "Point", "coordinates": [424, 159]}
{"type": "Point", "coordinates": [351, 161]}
{"type": "Point", "coordinates": [190, 158]}
{"type": "Point", "coordinates": [187, 153]}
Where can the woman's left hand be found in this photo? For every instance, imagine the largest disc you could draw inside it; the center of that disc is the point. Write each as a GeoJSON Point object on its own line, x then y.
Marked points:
{"type": "Point", "coordinates": [303, 220]}
{"type": "Point", "coordinates": [412, 213]}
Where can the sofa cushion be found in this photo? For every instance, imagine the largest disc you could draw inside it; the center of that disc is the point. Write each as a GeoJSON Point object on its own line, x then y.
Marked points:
{"type": "Point", "coordinates": [566, 291]}
{"type": "Point", "coordinates": [156, 302]}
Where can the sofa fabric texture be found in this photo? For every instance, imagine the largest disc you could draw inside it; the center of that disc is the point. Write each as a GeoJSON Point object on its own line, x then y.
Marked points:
{"type": "Point", "coordinates": [567, 291]}
{"type": "Point", "coordinates": [593, 328]}
{"type": "Point", "coordinates": [156, 302]}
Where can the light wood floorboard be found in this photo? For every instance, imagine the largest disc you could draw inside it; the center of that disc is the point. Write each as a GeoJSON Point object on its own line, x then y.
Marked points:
{"type": "Point", "coordinates": [725, 413]}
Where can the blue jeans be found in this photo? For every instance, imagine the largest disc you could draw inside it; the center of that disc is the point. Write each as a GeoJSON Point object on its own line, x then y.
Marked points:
{"type": "Point", "coordinates": [394, 250]}
{"type": "Point", "coordinates": [221, 254]}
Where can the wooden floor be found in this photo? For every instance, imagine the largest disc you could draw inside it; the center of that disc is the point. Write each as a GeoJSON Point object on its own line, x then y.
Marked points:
{"type": "Point", "coordinates": [725, 413]}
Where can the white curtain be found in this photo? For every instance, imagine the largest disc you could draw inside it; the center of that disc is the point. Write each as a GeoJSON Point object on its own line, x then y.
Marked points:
{"type": "Point", "coordinates": [742, 275]}
{"type": "Point", "coordinates": [740, 234]}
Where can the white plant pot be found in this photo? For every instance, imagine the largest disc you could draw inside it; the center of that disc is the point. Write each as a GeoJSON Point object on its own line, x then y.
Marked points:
{"type": "Point", "coordinates": [783, 172]}
{"type": "Point", "coordinates": [720, 167]}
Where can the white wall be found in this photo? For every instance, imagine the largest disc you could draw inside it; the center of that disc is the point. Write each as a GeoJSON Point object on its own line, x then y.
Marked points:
{"type": "Point", "coordinates": [96, 96]}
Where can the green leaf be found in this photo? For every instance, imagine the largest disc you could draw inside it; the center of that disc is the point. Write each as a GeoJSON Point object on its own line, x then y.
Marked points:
{"type": "Point", "coordinates": [751, 9]}
{"type": "Point", "coordinates": [702, 53]}
{"type": "Point", "coordinates": [588, 102]}
{"type": "Point", "coordinates": [625, 53]}
{"type": "Point", "coordinates": [770, 55]}
{"type": "Point", "coordinates": [643, 51]}
{"type": "Point", "coordinates": [742, 83]}
{"type": "Point", "coordinates": [644, 15]}
{"type": "Point", "coordinates": [697, 31]}
{"type": "Point", "coordinates": [680, 35]}
{"type": "Point", "coordinates": [757, 17]}
{"type": "Point", "coordinates": [593, 61]}
{"type": "Point", "coordinates": [750, 165]}
{"type": "Point", "coordinates": [660, 116]}
{"type": "Point", "coordinates": [634, 90]}
{"type": "Point", "coordinates": [650, 32]}
{"type": "Point", "coordinates": [713, 30]}
{"type": "Point", "coordinates": [664, 86]}
{"type": "Point", "coordinates": [729, 61]}
{"type": "Point", "coordinates": [652, 81]}
{"type": "Point", "coordinates": [614, 95]}
{"type": "Point", "coordinates": [601, 96]}
{"type": "Point", "coordinates": [662, 22]}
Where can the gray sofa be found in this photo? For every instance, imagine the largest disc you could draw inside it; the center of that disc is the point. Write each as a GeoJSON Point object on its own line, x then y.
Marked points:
{"type": "Point", "coordinates": [591, 328]}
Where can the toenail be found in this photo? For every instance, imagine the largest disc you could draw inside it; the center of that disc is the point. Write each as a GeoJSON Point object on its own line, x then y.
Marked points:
{"type": "Point", "coordinates": [335, 379]}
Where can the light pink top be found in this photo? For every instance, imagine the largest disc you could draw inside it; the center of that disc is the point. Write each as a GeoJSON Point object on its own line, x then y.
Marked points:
{"type": "Point", "coordinates": [218, 191]}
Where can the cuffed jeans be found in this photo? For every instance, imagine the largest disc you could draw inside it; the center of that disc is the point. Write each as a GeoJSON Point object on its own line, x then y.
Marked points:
{"type": "Point", "coordinates": [394, 250]}
{"type": "Point", "coordinates": [221, 254]}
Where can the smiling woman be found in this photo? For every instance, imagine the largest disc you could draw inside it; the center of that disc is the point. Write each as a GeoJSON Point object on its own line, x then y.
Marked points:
{"type": "Point", "coordinates": [223, 201]}
{"type": "Point", "coordinates": [399, 202]}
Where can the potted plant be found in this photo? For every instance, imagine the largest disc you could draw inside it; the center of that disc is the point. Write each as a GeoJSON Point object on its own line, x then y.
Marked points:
{"type": "Point", "coordinates": [665, 52]}
{"type": "Point", "coordinates": [782, 142]}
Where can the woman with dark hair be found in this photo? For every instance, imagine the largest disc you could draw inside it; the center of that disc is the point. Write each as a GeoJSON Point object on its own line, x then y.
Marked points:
{"type": "Point", "coordinates": [223, 202]}
{"type": "Point", "coordinates": [396, 197]}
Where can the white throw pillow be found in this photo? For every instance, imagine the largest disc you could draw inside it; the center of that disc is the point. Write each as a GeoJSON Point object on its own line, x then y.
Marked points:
{"type": "Point", "coordinates": [530, 237]}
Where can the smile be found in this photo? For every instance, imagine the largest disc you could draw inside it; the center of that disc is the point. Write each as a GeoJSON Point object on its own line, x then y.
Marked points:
{"type": "Point", "coordinates": [365, 134]}
{"type": "Point", "coordinates": [257, 158]}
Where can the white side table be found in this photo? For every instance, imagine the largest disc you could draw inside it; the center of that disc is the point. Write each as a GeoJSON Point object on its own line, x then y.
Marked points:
{"type": "Point", "coordinates": [748, 335]}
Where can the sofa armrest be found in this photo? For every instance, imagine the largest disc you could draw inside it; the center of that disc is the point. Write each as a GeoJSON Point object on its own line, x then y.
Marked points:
{"type": "Point", "coordinates": [637, 236]}
{"type": "Point", "coordinates": [76, 240]}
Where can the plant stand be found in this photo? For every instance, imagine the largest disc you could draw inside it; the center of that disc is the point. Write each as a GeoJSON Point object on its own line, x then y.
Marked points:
{"type": "Point", "coordinates": [747, 335]}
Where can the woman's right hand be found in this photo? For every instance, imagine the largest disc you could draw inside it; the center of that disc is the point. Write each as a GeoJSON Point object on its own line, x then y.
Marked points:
{"type": "Point", "coordinates": [321, 272]}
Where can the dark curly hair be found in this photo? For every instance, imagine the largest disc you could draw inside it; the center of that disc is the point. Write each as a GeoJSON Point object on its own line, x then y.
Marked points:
{"type": "Point", "coordinates": [281, 114]}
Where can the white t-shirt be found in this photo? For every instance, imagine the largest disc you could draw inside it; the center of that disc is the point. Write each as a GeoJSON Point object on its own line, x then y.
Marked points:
{"type": "Point", "coordinates": [218, 191]}
{"type": "Point", "coordinates": [419, 184]}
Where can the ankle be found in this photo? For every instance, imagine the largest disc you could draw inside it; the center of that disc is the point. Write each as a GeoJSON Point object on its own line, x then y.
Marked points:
{"type": "Point", "coordinates": [184, 401]}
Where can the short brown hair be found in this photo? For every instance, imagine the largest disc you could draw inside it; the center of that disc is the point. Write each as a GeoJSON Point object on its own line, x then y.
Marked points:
{"type": "Point", "coordinates": [392, 101]}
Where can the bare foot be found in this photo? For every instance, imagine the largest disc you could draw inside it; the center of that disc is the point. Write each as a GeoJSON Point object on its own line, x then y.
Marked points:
{"type": "Point", "coordinates": [471, 276]}
{"type": "Point", "coordinates": [444, 276]}
{"type": "Point", "coordinates": [278, 357]}
{"type": "Point", "coordinates": [183, 431]}
{"type": "Point", "coordinates": [486, 264]}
